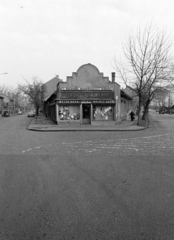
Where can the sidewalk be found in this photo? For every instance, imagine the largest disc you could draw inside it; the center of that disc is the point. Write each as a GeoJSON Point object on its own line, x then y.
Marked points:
{"type": "Point", "coordinates": [47, 125]}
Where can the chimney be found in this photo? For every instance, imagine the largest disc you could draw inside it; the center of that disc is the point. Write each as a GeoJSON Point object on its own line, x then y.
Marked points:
{"type": "Point", "coordinates": [113, 77]}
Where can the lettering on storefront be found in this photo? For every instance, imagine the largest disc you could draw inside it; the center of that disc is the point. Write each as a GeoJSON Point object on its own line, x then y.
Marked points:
{"type": "Point", "coordinates": [87, 95]}
{"type": "Point", "coordinates": [93, 101]}
{"type": "Point", "coordinates": [68, 101]}
{"type": "Point", "coordinates": [106, 101]}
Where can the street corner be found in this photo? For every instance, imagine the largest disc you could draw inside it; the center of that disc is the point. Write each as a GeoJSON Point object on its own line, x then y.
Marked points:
{"type": "Point", "coordinates": [45, 128]}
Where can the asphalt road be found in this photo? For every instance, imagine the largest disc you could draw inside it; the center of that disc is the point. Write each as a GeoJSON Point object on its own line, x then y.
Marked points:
{"type": "Point", "coordinates": [86, 185]}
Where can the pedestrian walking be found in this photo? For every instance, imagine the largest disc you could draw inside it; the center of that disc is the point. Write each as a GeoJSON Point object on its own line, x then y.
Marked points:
{"type": "Point", "coordinates": [132, 115]}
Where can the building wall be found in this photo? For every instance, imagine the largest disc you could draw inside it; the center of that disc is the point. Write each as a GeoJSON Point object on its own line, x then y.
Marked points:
{"type": "Point", "coordinates": [87, 76]}
{"type": "Point", "coordinates": [52, 112]}
{"type": "Point", "coordinates": [87, 79]}
{"type": "Point", "coordinates": [126, 106]}
{"type": "Point", "coordinates": [50, 86]}
{"type": "Point", "coordinates": [169, 100]}
{"type": "Point", "coordinates": [48, 89]}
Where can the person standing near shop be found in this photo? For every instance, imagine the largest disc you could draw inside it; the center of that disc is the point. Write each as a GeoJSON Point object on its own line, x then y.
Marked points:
{"type": "Point", "coordinates": [132, 115]}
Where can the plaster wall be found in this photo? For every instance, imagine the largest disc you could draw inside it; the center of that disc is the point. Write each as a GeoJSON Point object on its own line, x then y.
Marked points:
{"type": "Point", "coordinates": [125, 106]}
{"type": "Point", "coordinates": [88, 77]}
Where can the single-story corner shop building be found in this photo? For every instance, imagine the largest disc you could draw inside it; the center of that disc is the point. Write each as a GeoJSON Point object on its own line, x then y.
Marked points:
{"type": "Point", "coordinates": [87, 97]}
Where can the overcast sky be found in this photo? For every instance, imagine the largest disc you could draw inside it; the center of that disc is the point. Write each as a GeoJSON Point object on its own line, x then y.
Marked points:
{"type": "Point", "coordinates": [45, 38]}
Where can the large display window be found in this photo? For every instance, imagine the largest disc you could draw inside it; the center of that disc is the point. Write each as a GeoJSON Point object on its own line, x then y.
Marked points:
{"type": "Point", "coordinates": [104, 113]}
{"type": "Point", "coordinates": [69, 112]}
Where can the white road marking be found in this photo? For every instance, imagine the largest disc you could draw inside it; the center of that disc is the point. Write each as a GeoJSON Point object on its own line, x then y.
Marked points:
{"type": "Point", "coordinates": [117, 144]}
{"type": "Point", "coordinates": [29, 149]}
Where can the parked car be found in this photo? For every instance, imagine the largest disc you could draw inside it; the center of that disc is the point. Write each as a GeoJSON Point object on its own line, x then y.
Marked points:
{"type": "Point", "coordinates": [170, 111]}
{"type": "Point", "coordinates": [31, 114]}
{"type": "Point", "coordinates": [6, 113]}
{"type": "Point", "coordinates": [166, 110]}
{"type": "Point", "coordinates": [19, 112]}
{"type": "Point", "coordinates": [162, 111]}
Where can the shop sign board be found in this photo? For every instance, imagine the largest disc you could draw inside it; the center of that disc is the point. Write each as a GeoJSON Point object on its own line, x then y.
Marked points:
{"type": "Point", "coordinates": [79, 102]}
{"type": "Point", "coordinates": [69, 101]}
{"type": "Point", "coordinates": [103, 101]}
{"type": "Point", "coordinates": [87, 95]}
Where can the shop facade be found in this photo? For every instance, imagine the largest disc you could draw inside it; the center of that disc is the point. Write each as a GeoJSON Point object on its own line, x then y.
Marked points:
{"type": "Point", "coordinates": [85, 107]}
{"type": "Point", "coordinates": [87, 97]}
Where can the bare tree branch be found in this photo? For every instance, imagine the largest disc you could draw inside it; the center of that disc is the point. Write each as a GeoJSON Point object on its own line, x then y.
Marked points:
{"type": "Point", "coordinates": [148, 64]}
{"type": "Point", "coordinates": [34, 91]}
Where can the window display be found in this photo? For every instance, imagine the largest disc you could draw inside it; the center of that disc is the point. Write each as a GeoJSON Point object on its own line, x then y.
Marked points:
{"type": "Point", "coordinates": [103, 113]}
{"type": "Point", "coordinates": [69, 113]}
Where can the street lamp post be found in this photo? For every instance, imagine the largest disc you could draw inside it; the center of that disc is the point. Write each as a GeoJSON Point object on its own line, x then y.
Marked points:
{"type": "Point", "coordinates": [3, 73]}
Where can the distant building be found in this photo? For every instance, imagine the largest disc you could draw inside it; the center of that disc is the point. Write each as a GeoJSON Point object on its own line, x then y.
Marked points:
{"type": "Point", "coordinates": [169, 99]}
{"type": "Point", "coordinates": [126, 104]}
{"type": "Point", "coordinates": [48, 88]}
{"type": "Point", "coordinates": [165, 98]}
{"type": "Point", "coordinates": [87, 97]}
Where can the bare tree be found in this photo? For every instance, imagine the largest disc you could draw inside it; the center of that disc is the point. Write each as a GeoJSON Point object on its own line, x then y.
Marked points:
{"type": "Point", "coordinates": [7, 91]}
{"type": "Point", "coordinates": [4, 89]}
{"type": "Point", "coordinates": [148, 65]}
{"type": "Point", "coordinates": [11, 96]}
{"type": "Point", "coordinates": [160, 97]}
{"type": "Point", "coordinates": [34, 91]}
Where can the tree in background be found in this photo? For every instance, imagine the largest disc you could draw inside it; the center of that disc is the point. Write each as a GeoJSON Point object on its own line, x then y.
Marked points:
{"type": "Point", "coordinates": [10, 97]}
{"type": "Point", "coordinates": [148, 65]}
{"type": "Point", "coordinates": [34, 91]}
{"type": "Point", "coordinates": [14, 99]}
{"type": "Point", "coordinates": [5, 90]}
{"type": "Point", "coordinates": [160, 97]}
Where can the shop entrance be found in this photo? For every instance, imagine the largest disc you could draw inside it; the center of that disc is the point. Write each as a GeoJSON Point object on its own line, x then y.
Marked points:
{"type": "Point", "coordinates": [86, 113]}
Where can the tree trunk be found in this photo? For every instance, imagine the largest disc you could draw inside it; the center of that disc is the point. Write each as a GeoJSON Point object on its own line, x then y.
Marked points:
{"type": "Point", "coordinates": [146, 108]}
{"type": "Point", "coordinates": [145, 113]}
{"type": "Point", "coordinates": [37, 111]}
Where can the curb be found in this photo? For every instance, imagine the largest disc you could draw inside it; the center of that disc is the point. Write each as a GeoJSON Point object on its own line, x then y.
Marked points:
{"type": "Point", "coordinates": [77, 129]}
{"type": "Point", "coordinates": [29, 124]}
{"type": "Point", "coordinates": [85, 130]}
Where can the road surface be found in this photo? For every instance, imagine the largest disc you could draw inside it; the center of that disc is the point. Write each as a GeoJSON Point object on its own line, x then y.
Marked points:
{"type": "Point", "coordinates": [86, 185]}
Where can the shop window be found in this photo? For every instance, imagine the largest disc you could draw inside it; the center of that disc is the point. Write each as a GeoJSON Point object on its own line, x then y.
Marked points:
{"type": "Point", "coordinates": [103, 113]}
{"type": "Point", "coordinates": [69, 112]}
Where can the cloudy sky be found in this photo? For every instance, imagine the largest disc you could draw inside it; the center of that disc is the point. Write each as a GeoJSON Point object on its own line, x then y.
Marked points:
{"type": "Point", "coordinates": [45, 38]}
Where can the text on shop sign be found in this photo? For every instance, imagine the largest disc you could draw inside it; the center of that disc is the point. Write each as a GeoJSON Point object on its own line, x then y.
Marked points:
{"type": "Point", "coordinates": [88, 95]}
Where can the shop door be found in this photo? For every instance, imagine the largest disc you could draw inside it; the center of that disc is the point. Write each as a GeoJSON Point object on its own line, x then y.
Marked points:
{"type": "Point", "coordinates": [86, 113]}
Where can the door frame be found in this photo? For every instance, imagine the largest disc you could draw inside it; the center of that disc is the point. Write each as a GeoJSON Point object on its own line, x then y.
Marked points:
{"type": "Point", "coordinates": [86, 103]}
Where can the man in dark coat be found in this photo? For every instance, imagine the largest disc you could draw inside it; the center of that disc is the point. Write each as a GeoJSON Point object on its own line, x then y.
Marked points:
{"type": "Point", "coordinates": [132, 115]}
